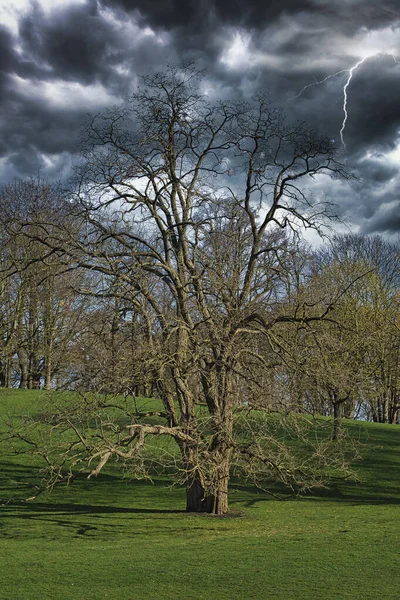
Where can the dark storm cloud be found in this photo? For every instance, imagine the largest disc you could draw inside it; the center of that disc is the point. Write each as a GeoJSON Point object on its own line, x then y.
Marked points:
{"type": "Point", "coordinates": [352, 14]}
{"type": "Point", "coordinates": [76, 44]}
{"type": "Point", "coordinates": [8, 58]}
{"type": "Point", "coordinates": [376, 172]}
{"type": "Point", "coordinates": [385, 220]}
{"type": "Point", "coordinates": [202, 13]}
{"type": "Point", "coordinates": [373, 107]}
{"type": "Point", "coordinates": [358, 13]}
{"type": "Point", "coordinates": [80, 58]}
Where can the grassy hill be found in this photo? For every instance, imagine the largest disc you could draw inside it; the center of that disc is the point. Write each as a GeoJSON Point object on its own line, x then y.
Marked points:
{"type": "Point", "coordinates": [118, 539]}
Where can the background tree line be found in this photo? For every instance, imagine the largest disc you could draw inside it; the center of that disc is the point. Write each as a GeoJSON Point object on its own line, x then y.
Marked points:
{"type": "Point", "coordinates": [65, 327]}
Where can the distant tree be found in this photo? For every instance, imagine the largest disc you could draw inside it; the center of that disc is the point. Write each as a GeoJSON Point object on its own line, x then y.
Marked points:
{"type": "Point", "coordinates": [380, 297]}
{"type": "Point", "coordinates": [348, 365]}
{"type": "Point", "coordinates": [37, 284]}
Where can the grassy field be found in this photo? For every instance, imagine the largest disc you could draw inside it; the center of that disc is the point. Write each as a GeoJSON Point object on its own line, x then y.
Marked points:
{"type": "Point", "coordinates": [120, 539]}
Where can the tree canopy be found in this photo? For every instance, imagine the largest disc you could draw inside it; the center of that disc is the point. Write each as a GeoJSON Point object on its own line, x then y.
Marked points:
{"type": "Point", "coordinates": [184, 224]}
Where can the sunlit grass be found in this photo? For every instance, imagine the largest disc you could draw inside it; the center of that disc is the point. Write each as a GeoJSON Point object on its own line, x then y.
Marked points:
{"type": "Point", "coordinates": [116, 538]}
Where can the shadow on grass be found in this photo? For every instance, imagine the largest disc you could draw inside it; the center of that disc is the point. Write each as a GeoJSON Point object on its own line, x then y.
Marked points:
{"type": "Point", "coordinates": [90, 521]}
{"type": "Point", "coordinates": [336, 492]}
{"type": "Point", "coordinates": [101, 505]}
{"type": "Point", "coordinates": [377, 472]}
{"type": "Point", "coordinates": [29, 509]}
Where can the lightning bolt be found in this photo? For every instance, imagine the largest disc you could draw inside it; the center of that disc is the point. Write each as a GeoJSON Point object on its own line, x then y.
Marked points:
{"type": "Point", "coordinates": [345, 88]}
{"type": "Point", "coordinates": [317, 83]}
{"type": "Point", "coordinates": [350, 72]}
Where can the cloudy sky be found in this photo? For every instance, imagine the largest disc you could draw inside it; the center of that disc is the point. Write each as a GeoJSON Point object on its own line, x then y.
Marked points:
{"type": "Point", "coordinates": [63, 59]}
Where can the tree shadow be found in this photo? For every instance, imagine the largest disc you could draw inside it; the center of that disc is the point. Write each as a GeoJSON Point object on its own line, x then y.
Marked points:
{"type": "Point", "coordinates": [82, 509]}
{"type": "Point", "coordinates": [338, 490]}
{"type": "Point", "coordinates": [90, 520]}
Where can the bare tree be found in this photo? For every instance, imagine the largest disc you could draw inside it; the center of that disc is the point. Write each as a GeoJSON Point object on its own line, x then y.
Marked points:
{"type": "Point", "coordinates": [184, 203]}
{"type": "Point", "coordinates": [38, 303]}
{"type": "Point", "coordinates": [347, 366]}
{"type": "Point", "coordinates": [369, 314]}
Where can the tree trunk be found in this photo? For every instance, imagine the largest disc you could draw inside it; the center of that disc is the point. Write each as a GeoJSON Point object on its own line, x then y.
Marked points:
{"type": "Point", "coordinates": [48, 375]}
{"type": "Point", "coordinates": [215, 503]}
{"type": "Point", "coordinates": [386, 410]}
{"type": "Point", "coordinates": [36, 381]}
{"type": "Point", "coordinates": [23, 368]}
{"type": "Point", "coordinates": [33, 340]}
{"type": "Point", "coordinates": [2, 377]}
{"type": "Point", "coordinates": [8, 371]}
{"type": "Point", "coordinates": [337, 420]}
{"type": "Point", "coordinates": [49, 321]}
{"type": "Point", "coordinates": [196, 500]}
{"type": "Point", "coordinates": [220, 497]}
{"type": "Point", "coordinates": [23, 382]}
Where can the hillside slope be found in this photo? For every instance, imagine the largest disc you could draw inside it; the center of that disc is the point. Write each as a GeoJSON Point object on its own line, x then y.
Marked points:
{"type": "Point", "coordinates": [114, 538]}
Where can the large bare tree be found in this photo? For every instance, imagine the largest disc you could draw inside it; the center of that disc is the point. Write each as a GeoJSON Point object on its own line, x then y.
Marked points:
{"type": "Point", "coordinates": [189, 209]}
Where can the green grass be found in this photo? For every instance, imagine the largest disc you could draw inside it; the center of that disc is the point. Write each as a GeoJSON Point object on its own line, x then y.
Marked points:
{"type": "Point", "coordinates": [120, 539]}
